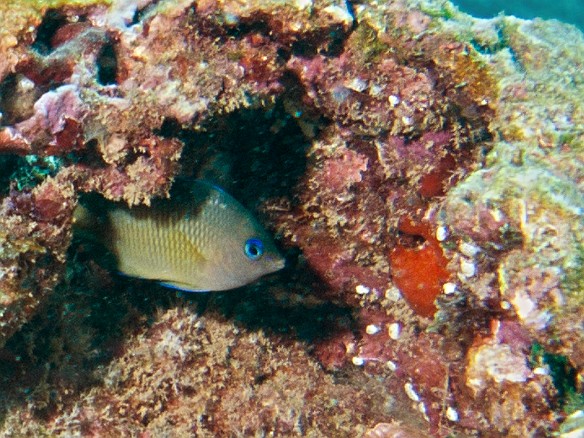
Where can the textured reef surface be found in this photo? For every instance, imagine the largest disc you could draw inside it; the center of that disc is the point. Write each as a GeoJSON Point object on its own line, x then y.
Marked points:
{"type": "Point", "coordinates": [423, 172]}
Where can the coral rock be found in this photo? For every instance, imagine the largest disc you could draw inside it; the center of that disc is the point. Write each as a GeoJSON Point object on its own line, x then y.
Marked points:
{"type": "Point", "coordinates": [416, 163]}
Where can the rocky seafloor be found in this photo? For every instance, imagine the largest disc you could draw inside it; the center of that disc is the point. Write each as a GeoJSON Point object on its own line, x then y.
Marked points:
{"type": "Point", "coordinates": [422, 171]}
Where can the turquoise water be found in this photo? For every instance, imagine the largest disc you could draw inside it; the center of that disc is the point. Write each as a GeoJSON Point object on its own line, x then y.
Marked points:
{"type": "Point", "coordinates": [569, 11]}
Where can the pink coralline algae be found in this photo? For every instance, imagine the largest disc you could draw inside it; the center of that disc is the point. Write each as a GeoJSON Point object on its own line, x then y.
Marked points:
{"type": "Point", "coordinates": [421, 169]}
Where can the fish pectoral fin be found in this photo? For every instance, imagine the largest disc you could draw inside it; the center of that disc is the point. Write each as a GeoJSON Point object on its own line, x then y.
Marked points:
{"type": "Point", "coordinates": [194, 253]}
{"type": "Point", "coordinates": [182, 286]}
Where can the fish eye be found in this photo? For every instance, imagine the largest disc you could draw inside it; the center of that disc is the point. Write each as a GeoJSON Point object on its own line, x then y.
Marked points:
{"type": "Point", "coordinates": [253, 249]}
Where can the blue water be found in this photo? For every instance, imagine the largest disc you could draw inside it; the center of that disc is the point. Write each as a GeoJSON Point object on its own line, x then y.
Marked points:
{"type": "Point", "coordinates": [569, 11]}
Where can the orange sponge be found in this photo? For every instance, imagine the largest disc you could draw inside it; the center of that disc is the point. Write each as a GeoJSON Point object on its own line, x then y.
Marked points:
{"type": "Point", "coordinates": [419, 272]}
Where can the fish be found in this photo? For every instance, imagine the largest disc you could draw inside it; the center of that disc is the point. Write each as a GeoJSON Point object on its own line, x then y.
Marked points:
{"type": "Point", "coordinates": [200, 240]}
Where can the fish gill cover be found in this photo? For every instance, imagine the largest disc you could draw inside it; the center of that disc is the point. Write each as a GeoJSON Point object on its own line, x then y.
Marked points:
{"type": "Point", "coordinates": [422, 171]}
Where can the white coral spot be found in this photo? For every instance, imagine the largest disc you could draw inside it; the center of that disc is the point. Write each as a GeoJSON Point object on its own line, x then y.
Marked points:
{"type": "Point", "coordinates": [467, 267]}
{"type": "Point", "coordinates": [362, 290]}
{"type": "Point", "coordinates": [449, 288]}
{"type": "Point", "coordinates": [411, 393]}
{"type": "Point", "coordinates": [441, 233]}
{"type": "Point", "coordinates": [394, 330]}
{"type": "Point", "coordinates": [451, 414]}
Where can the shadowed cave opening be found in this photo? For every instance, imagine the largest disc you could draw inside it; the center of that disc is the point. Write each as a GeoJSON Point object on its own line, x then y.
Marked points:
{"type": "Point", "coordinates": [107, 65]}
{"type": "Point", "coordinates": [256, 155]}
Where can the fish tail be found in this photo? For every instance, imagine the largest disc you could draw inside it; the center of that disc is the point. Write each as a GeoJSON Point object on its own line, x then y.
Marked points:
{"type": "Point", "coordinates": [87, 224]}
{"type": "Point", "coordinates": [83, 220]}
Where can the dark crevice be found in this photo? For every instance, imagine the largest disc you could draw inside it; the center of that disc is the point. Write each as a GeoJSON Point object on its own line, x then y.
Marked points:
{"type": "Point", "coordinates": [312, 45]}
{"type": "Point", "coordinates": [284, 54]}
{"type": "Point", "coordinates": [8, 165]}
{"type": "Point", "coordinates": [56, 28]}
{"type": "Point", "coordinates": [107, 65]}
{"type": "Point", "coordinates": [92, 156]}
{"type": "Point", "coordinates": [254, 154]}
{"type": "Point", "coordinates": [336, 44]}
{"type": "Point", "coordinates": [170, 128]}
{"type": "Point", "coordinates": [327, 42]}
{"type": "Point", "coordinates": [298, 103]}
{"type": "Point", "coordinates": [52, 21]}
{"type": "Point", "coordinates": [305, 48]}
{"type": "Point", "coordinates": [254, 27]}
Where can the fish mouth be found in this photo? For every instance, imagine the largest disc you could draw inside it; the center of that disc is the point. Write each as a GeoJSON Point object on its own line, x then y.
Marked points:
{"type": "Point", "coordinates": [278, 263]}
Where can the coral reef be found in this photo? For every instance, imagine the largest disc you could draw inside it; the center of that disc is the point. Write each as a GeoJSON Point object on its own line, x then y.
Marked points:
{"type": "Point", "coordinates": [250, 387]}
{"type": "Point", "coordinates": [421, 169]}
{"type": "Point", "coordinates": [35, 233]}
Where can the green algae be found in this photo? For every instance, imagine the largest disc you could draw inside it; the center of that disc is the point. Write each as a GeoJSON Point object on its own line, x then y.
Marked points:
{"type": "Point", "coordinates": [444, 11]}
{"type": "Point", "coordinates": [563, 377]}
{"type": "Point", "coordinates": [33, 169]}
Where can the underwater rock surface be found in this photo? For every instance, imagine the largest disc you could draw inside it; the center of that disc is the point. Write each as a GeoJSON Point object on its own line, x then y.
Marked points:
{"type": "Point", "coordinates": [422, 170]}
